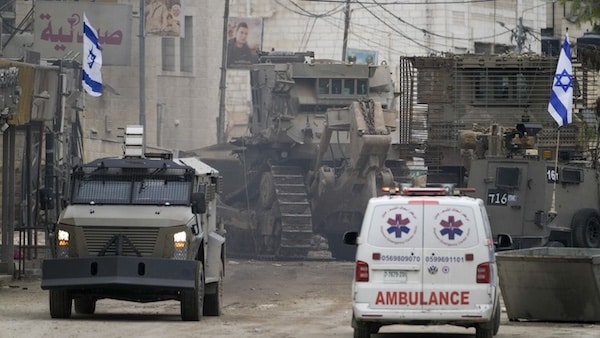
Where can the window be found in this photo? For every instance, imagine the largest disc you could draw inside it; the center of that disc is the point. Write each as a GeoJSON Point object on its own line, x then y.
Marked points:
{"type": "Point", "coordinates": [501, 87]}
{"type": "Point", "coordinates": [168, 54]}
{"type": "Point", "coordinates": [336, 86]}
{"type": "Point", "coordinates": [507, 178]}
{"type": "Point", "coordinates": [178, 53]}
{"type": "Point", "coordinates": [349, 86]}
{"type": "Point", "coordinates": [323, 86]}
{"type": "Point", "coordinates": [570, 175]}
{"type": "Point", "coordinates": [362, 87]}
{"type": "Point", "coordinates": [150, 191]}
{"type": "Point", "coordinates": [186, 47]}
{"type": "Point", "coordinates": [345, 87]}
{"type": "Point", "coordinates": [101, 191]}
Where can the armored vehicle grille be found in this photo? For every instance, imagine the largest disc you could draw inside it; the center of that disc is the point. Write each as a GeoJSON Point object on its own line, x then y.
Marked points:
{"type": "Point", "coordinates": [142, 239]}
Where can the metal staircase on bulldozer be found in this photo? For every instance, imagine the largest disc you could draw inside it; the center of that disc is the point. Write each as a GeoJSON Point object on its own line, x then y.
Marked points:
{"type": "Point", "coordinates": [294, 211]}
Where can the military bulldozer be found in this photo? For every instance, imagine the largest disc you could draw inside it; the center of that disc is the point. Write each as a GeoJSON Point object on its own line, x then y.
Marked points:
{"type": "Point", "coordinates": [318, 148]}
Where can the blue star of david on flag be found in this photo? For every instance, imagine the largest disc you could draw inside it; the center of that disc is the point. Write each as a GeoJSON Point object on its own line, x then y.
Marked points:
{"type": "Point", "coordinates": [92, 62]}
{"type": "Point", "coordinates": [451, 228]}
{"type": "Point", "coordinates": [91, 58]}
{"type": "Point", "coordinates": [398, 226]}
{"type": "Point", "coordinates": [560, 106]}
{"type": "Point", "coordinates": [564, 80]}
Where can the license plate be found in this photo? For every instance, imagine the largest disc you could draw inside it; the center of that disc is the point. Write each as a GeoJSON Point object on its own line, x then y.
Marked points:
{"type": "Point", "coordinates": [396, 276]}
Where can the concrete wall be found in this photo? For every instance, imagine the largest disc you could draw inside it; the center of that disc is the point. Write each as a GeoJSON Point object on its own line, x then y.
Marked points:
{"type": "Point", "coordinates": [180, 107]}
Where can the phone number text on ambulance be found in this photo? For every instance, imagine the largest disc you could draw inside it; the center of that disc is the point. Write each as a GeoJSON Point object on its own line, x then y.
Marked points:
{"type": "Point", "coordinates": [400, 258]}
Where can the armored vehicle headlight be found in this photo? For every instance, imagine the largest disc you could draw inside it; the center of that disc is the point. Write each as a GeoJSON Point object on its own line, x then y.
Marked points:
{"type": "Point", "coordinates": [180, 245]}
{"type": "Point", "coordinates": [62, 250]}
{"type": "Point", "coordinates": [63, 235]}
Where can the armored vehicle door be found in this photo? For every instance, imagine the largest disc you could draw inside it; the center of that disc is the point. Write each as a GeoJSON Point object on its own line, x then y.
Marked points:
{"type": "Point", "coordinates": [513, 191]}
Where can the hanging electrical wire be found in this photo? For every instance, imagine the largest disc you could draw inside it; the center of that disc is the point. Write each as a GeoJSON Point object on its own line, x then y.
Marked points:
{"type": "Point", "coordinates": [418, 2]}
{"type": "Point", "coordinates": [368, 6]}
{"type": "Point", "coordinates": [312, 18]}
{"type": "Point", "coordinates": [307, 33]}
{"type": "Point", "coordinates": [368, 41]}
{"type": "Point", "coordinates": [425, 31]}
{"type": "Point", "coordinates": [422, 45]}
{"type": "Point", "coordinates": [304, 12]}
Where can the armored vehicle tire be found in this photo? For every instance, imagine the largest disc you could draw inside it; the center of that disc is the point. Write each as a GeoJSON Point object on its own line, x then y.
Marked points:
{"type": "Point", "coordinates": [60, 303]}
{"type": "Point", "coordinates": [586, 228]}
{"type": "Point", "coordinates": [85, 305]}
{"type": "Point", "coordinates": [192, 301]}
{"type": "Point", "coordinates": [555, 244]}
{"type": "Point", "coordinates": [213, 301]}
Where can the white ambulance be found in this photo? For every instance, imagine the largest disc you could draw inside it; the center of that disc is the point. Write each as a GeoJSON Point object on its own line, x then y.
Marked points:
{"type": "Point", "coordinates": [423, 257]}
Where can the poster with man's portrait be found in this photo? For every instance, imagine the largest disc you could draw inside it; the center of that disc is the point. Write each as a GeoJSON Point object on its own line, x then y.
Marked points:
{"type": "Point", "coordinates": [163, 18]}
{"type": "Point", "coordinates": [244, 41]}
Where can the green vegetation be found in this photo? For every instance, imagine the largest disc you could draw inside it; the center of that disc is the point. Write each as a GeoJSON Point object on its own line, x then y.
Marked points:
{"type": "Point", "coordinates": [585, 11]}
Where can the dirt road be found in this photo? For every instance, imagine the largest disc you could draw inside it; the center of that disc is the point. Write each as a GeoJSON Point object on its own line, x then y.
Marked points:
{"type": "Point", "coordinates": [261, 299]}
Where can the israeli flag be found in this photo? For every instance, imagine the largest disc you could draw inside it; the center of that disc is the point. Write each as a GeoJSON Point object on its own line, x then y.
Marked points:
{"type": "Point", "coordinates": [561, 98]}
{"type": "Point", "coordinates": [92, 60]}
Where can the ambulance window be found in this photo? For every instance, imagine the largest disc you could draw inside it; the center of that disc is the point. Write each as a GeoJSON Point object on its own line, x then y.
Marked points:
{"type": "Point", "coordinates": [507, 177]}
{"type": "Point", "coordinates": [395, 226]}
{"type": "Point", "coordinates": [451, 226]}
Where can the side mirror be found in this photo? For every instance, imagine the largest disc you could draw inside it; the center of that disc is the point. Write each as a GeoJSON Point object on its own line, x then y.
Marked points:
{"type": "Point", "coordinates": [350, 237]}
{"type": "Point", "coordinates": [198, 203]}
{"type": "Point", "coordinates": [503, 242]}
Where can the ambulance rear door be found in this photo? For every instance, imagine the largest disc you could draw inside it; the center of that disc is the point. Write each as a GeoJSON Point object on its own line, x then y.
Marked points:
{"type": "Point", "coordinates": [454, 252]}
{"type": "Point", "coordinates": [394, 250]}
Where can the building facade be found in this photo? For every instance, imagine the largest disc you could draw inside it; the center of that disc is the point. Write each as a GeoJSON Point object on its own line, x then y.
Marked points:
{"type": "Point", "coordinates": [182, 75]}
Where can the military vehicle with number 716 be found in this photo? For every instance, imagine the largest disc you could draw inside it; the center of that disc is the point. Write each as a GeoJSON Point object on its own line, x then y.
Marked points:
{"type": "Point", "coordinates": [538, 199]}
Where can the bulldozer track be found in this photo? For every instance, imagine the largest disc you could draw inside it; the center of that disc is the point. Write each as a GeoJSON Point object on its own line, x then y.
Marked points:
{"type": "Point", "coordinates": [294, 213]}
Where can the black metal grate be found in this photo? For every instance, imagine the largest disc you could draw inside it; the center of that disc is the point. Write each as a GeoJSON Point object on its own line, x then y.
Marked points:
{"type": "Point", "coordinates": [144, 240]}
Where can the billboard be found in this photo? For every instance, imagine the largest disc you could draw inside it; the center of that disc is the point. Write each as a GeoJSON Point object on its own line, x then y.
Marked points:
{"type": "Point", "coordinates": [58, 29]}
{"type": "Point", "coordinates": [244, 40]}
{"type": "Point", "coordinates": [361, 56]}
{"type": "Point", "coordinates": [164, 18]}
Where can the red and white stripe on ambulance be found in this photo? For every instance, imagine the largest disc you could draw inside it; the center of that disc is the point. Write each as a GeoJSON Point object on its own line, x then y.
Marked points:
{"type": "Point", "coordinates": [437, 249]}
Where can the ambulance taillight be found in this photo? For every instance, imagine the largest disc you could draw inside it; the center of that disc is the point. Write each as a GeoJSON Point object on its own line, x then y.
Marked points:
{"type": "Point", "coordinates": [483, 273]}
{"type": "Point", "coordinates": [362, 271]}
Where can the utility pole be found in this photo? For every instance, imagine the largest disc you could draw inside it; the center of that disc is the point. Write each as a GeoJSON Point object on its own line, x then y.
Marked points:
{"type": "Point", "coordinates": [222, 84]}
{"type": "Point", "coordinates": [346, 28]}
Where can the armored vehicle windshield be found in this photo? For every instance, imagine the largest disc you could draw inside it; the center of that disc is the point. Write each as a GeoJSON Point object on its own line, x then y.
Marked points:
{"type": "Point", "coordinates": [132, 181]}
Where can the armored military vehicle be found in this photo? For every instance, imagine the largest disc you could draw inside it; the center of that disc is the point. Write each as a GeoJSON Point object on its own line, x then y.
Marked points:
{"type": "Point", "coordinates": [486, 123]}
{"type": "Point", "coordinates": [318, 147]}
{"type": "Point", "coordinates": [139, 228]}
{"type": "Point", "coordinates": [540, 197]}
{"type": "Point", "coordinates": [445, 95]}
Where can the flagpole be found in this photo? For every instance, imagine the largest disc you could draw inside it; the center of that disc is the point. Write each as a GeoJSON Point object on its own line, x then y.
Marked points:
{"type": "Point", "coordinates": [560, 107]}
{"type": "Point", "coordinates": [552, 210]}
{"type": "Point", "coordinates": [142, 70]}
